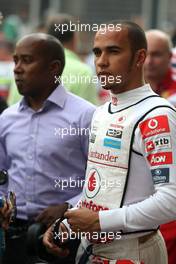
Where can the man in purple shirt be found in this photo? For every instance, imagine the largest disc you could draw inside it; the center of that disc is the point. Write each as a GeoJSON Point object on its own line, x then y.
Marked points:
{"type": "Point", "coordinates": [43, 141]}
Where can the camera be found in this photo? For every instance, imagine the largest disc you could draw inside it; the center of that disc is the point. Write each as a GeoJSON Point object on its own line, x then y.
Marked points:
{"type": "Point", "coordinates": [35, 244]}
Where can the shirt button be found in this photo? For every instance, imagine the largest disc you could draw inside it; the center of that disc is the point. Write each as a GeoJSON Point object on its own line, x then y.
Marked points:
{"type": "Point", "coordinates": [30, 157]}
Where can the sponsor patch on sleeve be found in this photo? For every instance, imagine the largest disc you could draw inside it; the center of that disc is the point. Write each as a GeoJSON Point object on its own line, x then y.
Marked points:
{"type": "Point", "coordinates": [160, 175]}
{"type": "Point", "coordinates": [160, 142]}
{"type": "Point", "coordinates": [154, 126]}
{"type": "Point", "coordinates": [160, 158]}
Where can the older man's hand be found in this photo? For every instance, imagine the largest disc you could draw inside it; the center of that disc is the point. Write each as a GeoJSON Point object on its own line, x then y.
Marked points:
{"type": "Point", "coordinates": [51, 247]}
{"type": "Point", "coordinates": [5, 214]}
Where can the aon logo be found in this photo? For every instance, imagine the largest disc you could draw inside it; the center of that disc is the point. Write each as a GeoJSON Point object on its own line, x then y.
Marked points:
{"type": "Point", "coordinates": [160, 158]}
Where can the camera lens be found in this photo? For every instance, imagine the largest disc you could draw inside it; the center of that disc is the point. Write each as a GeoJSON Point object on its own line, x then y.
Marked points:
{"type": "Point", "coordinates": [3, 177]}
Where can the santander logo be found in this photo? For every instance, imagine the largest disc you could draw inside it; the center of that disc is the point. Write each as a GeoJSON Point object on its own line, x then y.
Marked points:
{"type": "Point", "coordinates": [92, 182]}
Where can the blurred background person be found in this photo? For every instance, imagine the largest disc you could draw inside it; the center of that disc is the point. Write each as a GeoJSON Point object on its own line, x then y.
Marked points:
{"type": "Point", "coordinates": [157, 67]}
{"type": "Point", "coordinates": [6, 72]}
{"type": "Point", "coordinates": [77, 76]}
{"type": "Point", "coordinates": [158, 74]}
{"type": "Point", "coordinates": [16, 25]}
{"type": "Point", "coordinates": [11, 27]}
{"type": "Point", "coordinates": [173, 63]}
{"type": "Point", "coordinates": [173, 58]}
{"type": "Point", "coordinates": [6, 68]}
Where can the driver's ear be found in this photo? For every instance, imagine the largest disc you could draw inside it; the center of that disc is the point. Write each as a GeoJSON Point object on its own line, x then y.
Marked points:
{"type": "Point", "coordinates": [140, 57]}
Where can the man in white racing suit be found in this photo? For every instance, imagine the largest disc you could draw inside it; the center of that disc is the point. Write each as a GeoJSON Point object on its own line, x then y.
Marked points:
{"type": "Point", "coordinates": [130, 186]}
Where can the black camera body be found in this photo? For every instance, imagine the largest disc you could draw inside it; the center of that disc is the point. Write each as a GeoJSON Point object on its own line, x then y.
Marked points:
{"type": "Point", "coordinates": [36, 247]}
{"type": "Point", "coordinates": [35, 244]}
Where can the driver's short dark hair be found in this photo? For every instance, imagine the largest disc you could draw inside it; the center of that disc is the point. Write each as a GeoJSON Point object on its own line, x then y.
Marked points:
{"type": "Point", "coordinates": [136, 34]}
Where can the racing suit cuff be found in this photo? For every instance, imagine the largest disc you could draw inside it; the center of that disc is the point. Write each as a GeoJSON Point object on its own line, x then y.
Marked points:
{"type": "Point", "coordinates": [112, 220]}
{"type": "Point", "coordinates": [66, 224]}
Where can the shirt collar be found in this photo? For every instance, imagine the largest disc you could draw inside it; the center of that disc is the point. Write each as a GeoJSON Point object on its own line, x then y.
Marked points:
{"type": "Point", "coordinates": [58, 97]}
{"type": "Point", "coordinates": [130, 97]}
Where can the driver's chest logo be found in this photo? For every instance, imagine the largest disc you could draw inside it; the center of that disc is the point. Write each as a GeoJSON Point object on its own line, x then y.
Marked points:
{"type": "Point", "coordinates": [93, 183]}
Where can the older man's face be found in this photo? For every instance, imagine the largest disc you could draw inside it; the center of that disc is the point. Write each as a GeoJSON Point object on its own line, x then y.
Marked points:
{"type": "Point", "coordinates": [158, 58]}
{"type": "Point", "coordinates": [31, 68]}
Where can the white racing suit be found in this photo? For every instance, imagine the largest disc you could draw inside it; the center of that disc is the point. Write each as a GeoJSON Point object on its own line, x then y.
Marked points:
{"type": "Point", "coordinates": [131, 176]}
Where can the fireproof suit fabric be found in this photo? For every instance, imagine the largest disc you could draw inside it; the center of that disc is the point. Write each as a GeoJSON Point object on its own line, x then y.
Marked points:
{"type": "Point", "coordinates": [151, 190]}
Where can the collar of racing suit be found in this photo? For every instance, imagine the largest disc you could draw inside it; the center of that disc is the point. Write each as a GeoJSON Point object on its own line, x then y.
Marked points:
{"type": "Point", "coordinates": [125, 99]}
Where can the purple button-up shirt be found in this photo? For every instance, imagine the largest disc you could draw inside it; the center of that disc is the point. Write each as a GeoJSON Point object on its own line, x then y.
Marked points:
{"type": "Point", "coordinates": [45, 151]}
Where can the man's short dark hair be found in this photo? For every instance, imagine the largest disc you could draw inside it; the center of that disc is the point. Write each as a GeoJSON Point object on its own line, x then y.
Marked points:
{"type": "Point", "coordinates": [50, 47]}
{"type": "Point", "coordinates": [136, 34]}
{"type": "Point", "coordinates": [54, 50]}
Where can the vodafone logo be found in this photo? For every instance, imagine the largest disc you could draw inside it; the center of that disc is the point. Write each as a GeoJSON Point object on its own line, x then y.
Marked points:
{"type": "Point", "coordinates": [92, 184]}
{"type": "Point", "coordinates": [160, 158]}
{"type": "Point", "coordinates": [152, 124]}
